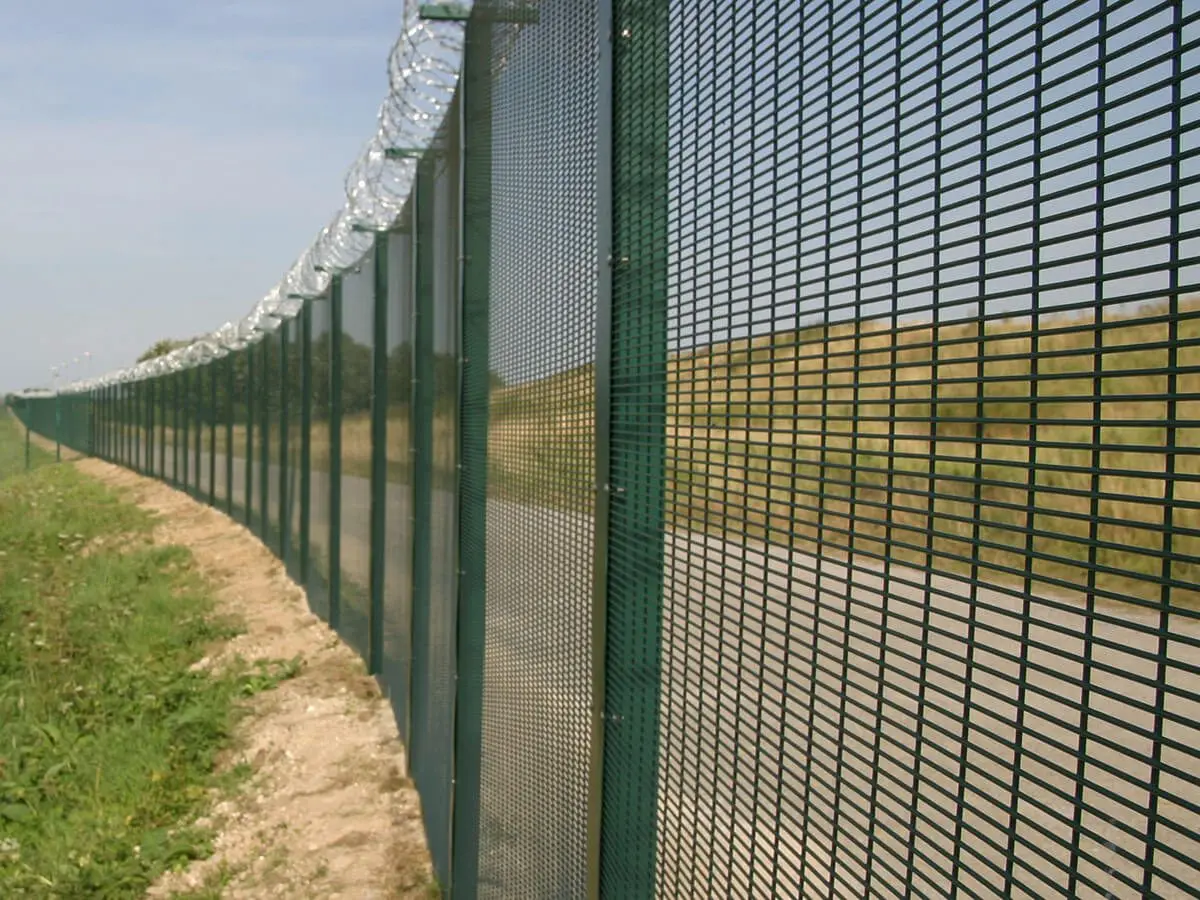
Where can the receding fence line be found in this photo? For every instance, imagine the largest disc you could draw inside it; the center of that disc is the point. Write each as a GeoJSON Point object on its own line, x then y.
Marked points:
{"type": "Point", "coordinates": [762, 458]}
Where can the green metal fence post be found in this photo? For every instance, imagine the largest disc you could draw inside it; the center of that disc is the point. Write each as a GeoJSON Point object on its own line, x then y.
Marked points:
{"type": "Point", "coordinates": [379, 411]}
{"type": "Point", "coordinates": [176, 416]}
{"type": "Point", "coordinates": [57, 426]}
{"type": "Point", "coordinates": [144, 448]}
{"type": "Point", "coordinates": [184, 436]}
{"type": "Point", "coordinates": [228, 363]}
{"type": "Point", "coordinates": [306, 392]}
{"type": "Point", "coordinates": [474, 237]}
{"type": "Point", "coordinates": [422, 470]}
{"type": "Point", "coordinates": [151, 391]}
{"type": "Point", "coordinates": [603, 430]}
{"type": "Point", "coordinates": [162, 426]}
{"type": "Point", "coordinates": [264, 441]}
{"type": "Point", "coordinates": [636, 498]}
{"type": "Point", "coordinates": [335, 452]}
{"type": "Point", "coordinates": [285, 525]}
{"type": "Point", "coordinates": [164, 414]}
{"type": "Point", "coordinates": [198, 421]}
{"type": "Point", "coordinates": [248, 480]}
{"type": "Point", "coordinates": [28, 460]}
{"type": "Point", "coordinates": [212, 368]}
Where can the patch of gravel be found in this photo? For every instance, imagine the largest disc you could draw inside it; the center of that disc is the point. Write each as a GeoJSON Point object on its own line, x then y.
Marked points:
{"type": "Point", "coordinates": [327, 812]}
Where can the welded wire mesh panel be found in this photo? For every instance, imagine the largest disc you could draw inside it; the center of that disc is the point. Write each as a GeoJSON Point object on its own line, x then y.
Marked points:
{"type": "Point", "coordinates": [203, 420]}
{"type": "Point", "coordinates": [292, 398]}
{"type": "Point", "coordinates": [264, 439]}
{"type": "Point", "coordinates": [318, 475]}
{"type": "Point", "coordinates": [538, 227]}
{"type": "Point", "coordinates": [172, 396]}
{"type": "Point", "coordinates": [137, 424]}
{"type": "Point", "coordinates": [268, 488]}
{"type": "Point", "coordinates": [398, 528]}
{"type": "Point", "coordinates": [930, 615]}
{"type": "Point", "coordinates": [436, 581]}
{"type": "Point", "coordinates": [187, 429]}
{"type": "Point", "coordinates": [162, 420]}
{"type": "Point", "coordinates": [240, 437]}
{"type": "Point", "coordinates": [358, 323]}
{"type": "Point", "coordinates": [150, 436]}
{"type": "Point", "coordinates": [253, 433]}
{"type": "Point", "coordinates": [127, 428]}
{"type": "Point", "coordinates": [221, 421]}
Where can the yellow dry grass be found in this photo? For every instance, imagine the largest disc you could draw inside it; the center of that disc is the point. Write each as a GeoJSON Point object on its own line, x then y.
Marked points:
{"type": "Point", "coordinates": [1013, 451]}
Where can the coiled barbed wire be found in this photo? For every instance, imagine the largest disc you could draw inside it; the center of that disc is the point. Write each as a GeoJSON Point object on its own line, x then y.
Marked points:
{"type": "Point", "coordinates": [423, 69]}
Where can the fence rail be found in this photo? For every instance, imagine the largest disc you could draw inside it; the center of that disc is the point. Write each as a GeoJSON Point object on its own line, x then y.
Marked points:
{"type": "Point", "coordinates": [762, 460]}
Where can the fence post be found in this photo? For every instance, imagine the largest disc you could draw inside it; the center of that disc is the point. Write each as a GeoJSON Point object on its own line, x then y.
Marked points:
{"type": "Point", "coordinates": [28, 462]}
{"type": "Point", "coordinates": [335, 452]}
{"type": "Point", "coordinates": [305, 439]}
{"type": "Point", "coordinates": [151, 418]}
{"type": "Point", "coordinates": [163, 419]}
{"type": "Point", "coordinates": [185, 451]}
{"type": "Point", "coordinates": [198, 422]}
{"type": "Point", "coordinates": [603, 446]}
{"type": "Point", "coordinates": [264, 441]}
{"type": "Point", "coordinates": [248, 468]}
{"type": "Point", "coordinates": [57, 427]}
{"type": "Point", "coordinates": [422, 450]}
{"type": "Point", "coordinates": [135, 430]}
{"type": "Point", "coordinates": [285, 524]}
{"type": "Point", "coordinates": [212, 366]}
{"type": "Point", "coordinates": [379, 411]}
{"type": "Point", "coordinates": [474, 224]}
{"type": "Point", "coordinates": [637, 454]}
{"type": "Point", "coordinates": [229, 433]}
{"type": "Point", "coordinates": [174, 376]}
{"type": "Point", "coordinates": [144, 433]}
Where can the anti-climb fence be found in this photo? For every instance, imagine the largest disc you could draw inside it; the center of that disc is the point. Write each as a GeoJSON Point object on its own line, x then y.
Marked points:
{"type": "Point", "coordinates": [762, 459]}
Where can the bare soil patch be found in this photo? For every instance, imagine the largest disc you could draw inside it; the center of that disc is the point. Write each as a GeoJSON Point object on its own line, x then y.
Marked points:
{"type": "Point", "coordinates": [328, 811]}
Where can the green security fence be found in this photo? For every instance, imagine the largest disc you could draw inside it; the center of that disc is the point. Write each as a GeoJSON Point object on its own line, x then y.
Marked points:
{"type": "Point", "coordinates": [763, 458]}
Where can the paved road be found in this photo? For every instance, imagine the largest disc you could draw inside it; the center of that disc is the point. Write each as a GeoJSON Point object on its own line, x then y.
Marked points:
{"type": "Point", "coordinates": [798, 699]}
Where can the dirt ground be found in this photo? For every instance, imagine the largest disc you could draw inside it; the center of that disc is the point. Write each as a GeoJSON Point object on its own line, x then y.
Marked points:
{"type": "Point", "coordinates": [327, 812]}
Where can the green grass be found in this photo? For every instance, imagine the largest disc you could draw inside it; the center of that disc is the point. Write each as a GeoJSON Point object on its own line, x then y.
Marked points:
{"type": "Point", "coordinates": [12, 448]}
{"type": "Point", "coordinates": [107, 739]}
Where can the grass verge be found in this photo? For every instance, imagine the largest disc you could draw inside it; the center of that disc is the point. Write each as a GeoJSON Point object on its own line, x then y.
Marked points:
{"type": "Point", "coordinates": [107, 737]}
{"type": "Point", "coordinates": [12, 448]}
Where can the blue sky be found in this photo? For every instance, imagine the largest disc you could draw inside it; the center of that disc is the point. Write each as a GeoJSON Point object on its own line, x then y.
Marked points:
{"type": "Point", "coordinates": [163, 163]}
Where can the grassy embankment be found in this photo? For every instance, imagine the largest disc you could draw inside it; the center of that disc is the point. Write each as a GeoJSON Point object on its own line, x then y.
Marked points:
{"type": "Point", "coordinates": [948, 447]}
{"type": "Point", "coordinates": [916, 445]}
{"type": "Point", "coordinates": [107, 739]}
